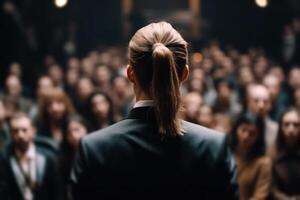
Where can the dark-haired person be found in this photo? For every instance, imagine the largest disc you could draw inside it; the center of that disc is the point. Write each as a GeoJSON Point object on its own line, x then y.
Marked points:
{"type": "Point", "coordinates": [254, 169]}
{"type": "Point", "coordinates": [286, 157]}
{"type": "Point", "coordinates": [100, 109]}
{"type": "Point", "coordinates": [77, 127]}
{"type": "Point", "coordinates": [27, 170]}
{"type": "Point", "coordinates": [153, 154]}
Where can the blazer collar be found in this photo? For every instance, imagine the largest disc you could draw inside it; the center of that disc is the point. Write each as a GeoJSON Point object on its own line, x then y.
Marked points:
{"type": "Point", "coordinates": [145, 113]}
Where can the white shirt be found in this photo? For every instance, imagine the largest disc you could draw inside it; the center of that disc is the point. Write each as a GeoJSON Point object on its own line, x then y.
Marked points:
{"type": "Point", "coordinates": [143, 103]}
{"type": "Point", "coordinates": [27, 162]}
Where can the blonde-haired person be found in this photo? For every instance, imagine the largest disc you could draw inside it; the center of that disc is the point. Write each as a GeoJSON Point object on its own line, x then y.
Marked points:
{"type": "Point", "coordinates": [154, 154]}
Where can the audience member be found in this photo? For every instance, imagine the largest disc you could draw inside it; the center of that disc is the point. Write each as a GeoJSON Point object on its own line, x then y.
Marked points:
{"type": "Point", "coordinates": [254, 169]}
{"type": "Point", "coordinates": [26, 170]}
{"type": "Point", "coordinates": [286, 157]}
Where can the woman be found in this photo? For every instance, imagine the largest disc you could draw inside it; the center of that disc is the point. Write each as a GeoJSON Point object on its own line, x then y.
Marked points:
{"type": "Point", "coordinates": [77, 127]}
{"type": "Point", "coordinates": [153, 153]}
{"type": "Point", "coordinates": [101, 112]}
{"type": "Point", "coordinates": [254, 169]}
{"type": "Point", "coordinates": [54, 109]}
{"type": "Point", "coordinates": [286, 157]}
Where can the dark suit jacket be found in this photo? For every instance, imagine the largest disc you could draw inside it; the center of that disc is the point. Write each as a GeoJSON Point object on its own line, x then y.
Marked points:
{"type": "Point", "coordinates": [48, 180]}
{"type": "Point", "coordinates": [130, 160]}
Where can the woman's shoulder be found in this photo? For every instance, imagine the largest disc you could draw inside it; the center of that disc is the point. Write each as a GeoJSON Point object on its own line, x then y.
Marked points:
{"type": "Point", "coordinates": [264, 162]}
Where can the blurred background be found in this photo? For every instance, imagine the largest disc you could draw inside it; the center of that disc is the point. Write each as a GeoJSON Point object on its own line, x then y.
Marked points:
{"type": "Point", "coordinates": [33, 29]}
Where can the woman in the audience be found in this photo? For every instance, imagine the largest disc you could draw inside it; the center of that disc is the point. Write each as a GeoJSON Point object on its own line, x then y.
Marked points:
{"type": "Point", "coordinates": [101, 112]}
{"type": "Point", "coordinates": [286, 157]}
{"type": "Point", "coordinates": [77, 127]}
{"type": "Point", "coordinates": [254, 169]}
{"type": "Point", "coordinates": [54, 109]}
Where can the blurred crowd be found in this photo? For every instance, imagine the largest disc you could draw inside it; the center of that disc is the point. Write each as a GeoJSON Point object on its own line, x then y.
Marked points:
{"type": "Point", "coordinates": [249, 96]}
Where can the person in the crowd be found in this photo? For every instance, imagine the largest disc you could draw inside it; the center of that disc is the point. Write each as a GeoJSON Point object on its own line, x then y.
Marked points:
{"type": "Point", "coordinates": [56, 74]}
{"type": "Point", "coordinates": [101, 110]}
{"type": "Point", "coordinates": [54, 109]}
{"type": "Point", "coordinates": [197, 83]}
{"type": "Point", "coordinates": [205, 116]}
{"type": "Point", "coordinates": [84, 88]}
{"type": "Point", "coordinates": [13, 91]}
{"type": "Point", "coordinates": [4, 129]}
{"type": "Point", "coordinates": [102, 79]}
{"type": "Point", "coordinates": [44, 84]}
{"type": "Point", "coordinates": [245, 78]}
{"type": "Point", "coordinates": [254, 169]}
{"type": "Point", "coordinates": [27, 171]}
{"type": "Point", "coordinates": [191, 103]}
{"type": "Point", "coordinates": [122, 96]}
{"type": "Point", "coordinates": [260, 68]}
{"type": "Point", "coordinates": [153, 153]}
{"type": "Point", "coordinates": [87, 68]}
{"type": "Point", "coordinates": [71, 79]}
{"type": "Point", "coordinates": [77, 127]}
{"type": "Point", "coordinates": [286, 157]}
{"type": "Point", "coordinates": [227, 99]}
{"type": "Point", "coordinates": [259, 103]}
{"type": "Point", "coordinates": [278, 97]}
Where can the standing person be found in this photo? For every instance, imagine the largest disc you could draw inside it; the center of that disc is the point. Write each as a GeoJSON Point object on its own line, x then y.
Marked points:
{"type": "Point", "coordinates": [153, 153]}
{"type": "Point", "coordinates": [27, 171]}
{"type": "Point", "coordinates": [254, 169]}
{"type": "Point", "coordinates": [286, 157]}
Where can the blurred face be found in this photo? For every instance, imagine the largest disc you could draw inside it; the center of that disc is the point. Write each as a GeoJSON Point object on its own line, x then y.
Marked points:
{"type": "Point", "coordinates": [120, 85]}
{"type": "Point", "coordinates": [291, 127]}
{"type": "Point", "coordinates": [72, 77]}
{"type": "Point", "coordinates": [192, 103]}
{"type": "Point", "coordinates": [102, 74]}
{"type": "Point", "coordinates": [57, 110]}
{"type": "Point", "coordinates": [15, 69]}
{"type": "Point", "coordinates": [197, 80]}
{"type": "Point", "coordinates": [259, 100]}
{"type": "Point", "coordinates": [44, 84]}
{"type": "Point", "coordinates": [87, 67]}
{"type": "Point", "coordinates": [260, 67]}
{"type": "Point", "coordinates": [22, 133]}
{"type": "Point", "coordinates": [73, 64]}
{"type": "Point", "coordinates": [246, 76]}
{"type": "Point", "coordinates": [224, 91]}
{"type": "Point", "coordinates": [13, 86]}
{"type": "Point", "coordinates": [75, 132]}
{"type": "Point", "coordinates": [205, 116]}
{"type": "Point", "coordinates": [294, 78]}
{"type": "Point", "coordinates": [56, 73]}
{"type": "Point", "coordinates": [273, 85]}
{"type": "Point", "coordinates": [247, 135]}
{"type": "Point", "coordinates": [85, 88]}
{"type": "Point", "coordinates": [100, 106]}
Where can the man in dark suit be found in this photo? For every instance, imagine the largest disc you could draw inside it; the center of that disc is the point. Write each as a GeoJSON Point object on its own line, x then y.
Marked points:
{"type": "Point", "coordinates": [153, 154]}
{"type": "Point", "coordinates": [27, 171]}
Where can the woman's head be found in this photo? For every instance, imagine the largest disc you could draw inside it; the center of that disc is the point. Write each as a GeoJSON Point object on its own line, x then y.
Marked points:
{"type": "Point", "coordinates": [77, 128]}
{"type": "Point", "coordinates": [55, 105]}
{"type": "Point", "coordinates": [101, 107]}
{"type": "Point", "coordinates": [248, 135]}
{"type": "Point", "coordinates": [289, 129]}
{"type": "Point", "coordinates": [157, 65]}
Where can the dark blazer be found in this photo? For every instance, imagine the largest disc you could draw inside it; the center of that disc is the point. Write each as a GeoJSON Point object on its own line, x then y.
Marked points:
{"type": "Point", "coordinates": [48, 179]}
{"type": "Point", "coordinates": [130, 160]}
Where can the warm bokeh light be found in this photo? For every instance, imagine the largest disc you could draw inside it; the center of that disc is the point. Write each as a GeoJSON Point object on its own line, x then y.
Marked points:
{"type": "Point", "coordinates": [261, 3]}
{"type": "Point", "coordinates": [197, 57]}
{"type": "Point", "coordinates": [60, 3]}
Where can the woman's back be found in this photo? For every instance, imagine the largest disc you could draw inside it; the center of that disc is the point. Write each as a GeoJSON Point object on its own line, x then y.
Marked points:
{"type": "Point", "coordinates": [131, 160]}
